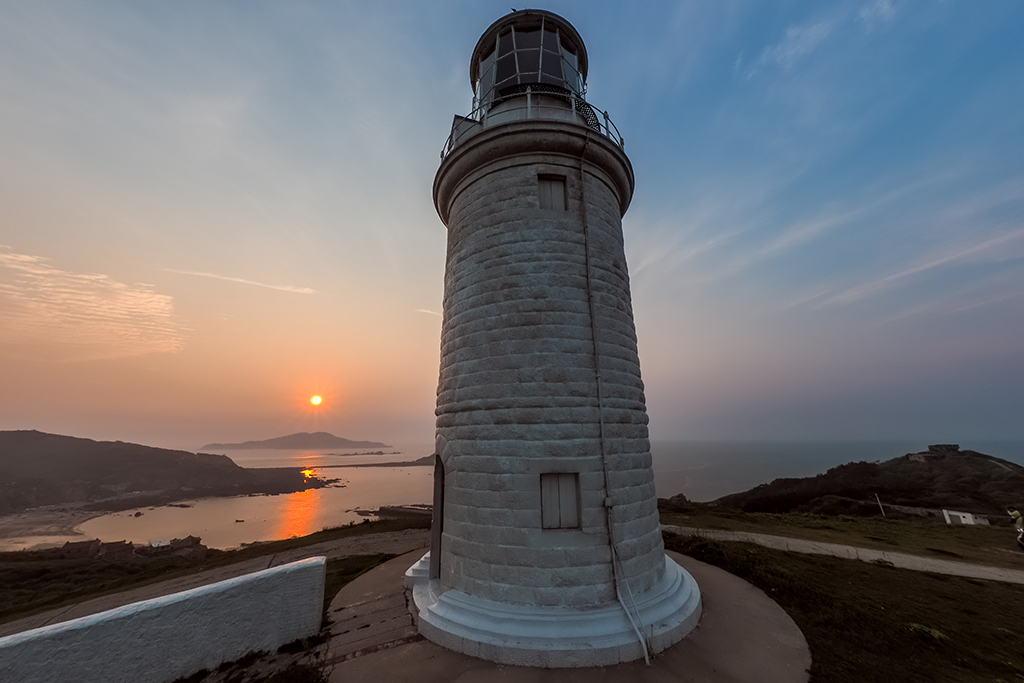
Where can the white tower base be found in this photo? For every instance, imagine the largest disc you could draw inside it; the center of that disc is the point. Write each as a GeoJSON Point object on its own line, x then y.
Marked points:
{"type": "Point", "coordinates": [558, 637]}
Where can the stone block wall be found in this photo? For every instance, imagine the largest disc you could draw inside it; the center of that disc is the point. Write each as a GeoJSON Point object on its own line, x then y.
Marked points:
{"type": "Point", "coordinates": [517, 395]}
{"type": "Point", "coordinates": [175, 635]}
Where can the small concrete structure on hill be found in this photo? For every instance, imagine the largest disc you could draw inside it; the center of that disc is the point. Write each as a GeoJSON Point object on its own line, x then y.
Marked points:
{"type": "Point", "coordinates": [953, 517]}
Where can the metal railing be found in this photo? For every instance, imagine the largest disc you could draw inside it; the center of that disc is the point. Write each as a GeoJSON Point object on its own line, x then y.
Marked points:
{"type": "Point", "coordinates": [537, 102]}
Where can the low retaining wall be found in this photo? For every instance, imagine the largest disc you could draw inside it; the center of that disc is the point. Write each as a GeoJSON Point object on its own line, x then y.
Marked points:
{"type": "Point", "coordinates": [175, 635]}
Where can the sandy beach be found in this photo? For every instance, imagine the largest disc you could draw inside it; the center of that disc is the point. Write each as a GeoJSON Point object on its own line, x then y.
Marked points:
{"type": "Point", "coordinates": [58, 521]}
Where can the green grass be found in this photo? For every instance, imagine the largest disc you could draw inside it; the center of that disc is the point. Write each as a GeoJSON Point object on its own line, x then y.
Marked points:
{"type": "Point", "coordinates": [992, 545]}
{"type": "Point", "coordinates": [32, 582]}
{"type": "Point", "coordinates": [866, 622]}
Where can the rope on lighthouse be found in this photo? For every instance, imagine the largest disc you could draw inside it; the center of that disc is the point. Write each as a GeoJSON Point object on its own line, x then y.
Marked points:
{"type": "Point", "coordinates": [617, 574]}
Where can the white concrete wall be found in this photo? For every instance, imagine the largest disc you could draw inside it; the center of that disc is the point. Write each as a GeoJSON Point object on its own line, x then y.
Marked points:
{"type": "Point", "coordinates": [175, 635]}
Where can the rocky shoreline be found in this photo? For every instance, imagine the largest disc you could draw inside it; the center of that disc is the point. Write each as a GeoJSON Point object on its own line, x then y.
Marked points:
{"type": "Point", "coordinates": [62, 520]}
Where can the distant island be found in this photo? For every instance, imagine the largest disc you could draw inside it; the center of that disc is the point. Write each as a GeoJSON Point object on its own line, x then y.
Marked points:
{"type": "Point", "coordinates": [296, 441]}
{"type": "Point", "coordinates": [942, 477]}
{"type": "Point", "coordinates": [425, 460]}
{"type": "Point", "coordinates": [50, 469]}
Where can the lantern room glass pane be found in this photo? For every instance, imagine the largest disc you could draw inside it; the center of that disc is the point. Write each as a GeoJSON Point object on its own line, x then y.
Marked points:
{"type": "Point", "coordinates": [572, 77]}
{"type": "Point", "coordinates": [485, 82]}
{"type": "Point", "coordinates": [527, 38]}
{"type": "Point", "coordinates": [506, 68]}
{"type": "Point", "coordinates": [529, 61]}
{"type": "Point", "coordinates": [570, 59]}
{"type": "Point", "coordinates": [551, 71]}
{"type": "Point", "coordinates": [489, 51]}
{"type": "Point", "coordinates": [550, 40]}
{"type": "Point", "coordinates": [505, 43]}
{"type": "Point", "coordinates": [486, 65]}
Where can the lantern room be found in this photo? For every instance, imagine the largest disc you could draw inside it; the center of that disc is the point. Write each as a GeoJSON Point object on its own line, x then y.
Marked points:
{"type": "Point", "coordinates": [528, 48]}
{"type": "Point", "coordinates": [529, 65]}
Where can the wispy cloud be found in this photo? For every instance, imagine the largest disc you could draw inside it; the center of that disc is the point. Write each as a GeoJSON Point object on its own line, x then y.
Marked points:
{"type": "Point", "coordinates": [944, 308]}
{"type": "Point", "coordinates": [801, 233]}
{"type": "Point", "coordinates": [877, 12]}
{"type": "Point", "coordinates": [786, 240]}
{"type": "Point", "coordinates": [737, 63]}
{"type": "Point", "coordinates": [799, 42]}
{"type": "Point", "coordinates": [82, 315]}
{"type": "Point", "coordinates": [228, 278]}
{"type": "Point", "coordinates": [427, 311]}
{"type": "Point", "coordinates": [665, 255]}
{"type": "Point", "coordinates": [988, 249]}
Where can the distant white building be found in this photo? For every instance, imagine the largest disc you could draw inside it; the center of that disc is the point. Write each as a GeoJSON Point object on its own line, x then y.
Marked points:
{"type": "Point", "coordinates": [953, 517]}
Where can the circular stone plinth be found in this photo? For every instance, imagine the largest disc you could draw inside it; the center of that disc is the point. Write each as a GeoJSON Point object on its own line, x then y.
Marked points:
{"type": "Point", "coordinates": [743, 637]}
{"type": "Point", "coordinates": [560, 637]}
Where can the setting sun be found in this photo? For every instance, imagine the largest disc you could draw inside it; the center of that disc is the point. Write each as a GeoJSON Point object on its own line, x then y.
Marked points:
{"type": "Point", "coordinates": [315, 400]}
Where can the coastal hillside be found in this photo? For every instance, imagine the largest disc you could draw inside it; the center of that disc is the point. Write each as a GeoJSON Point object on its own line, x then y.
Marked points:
{"type": "Point", "coordinates": [941, 477]}
{"type": "Point", "coordinates": [299, 440]}
{"type": "Point", "coordinates": [49, 469]}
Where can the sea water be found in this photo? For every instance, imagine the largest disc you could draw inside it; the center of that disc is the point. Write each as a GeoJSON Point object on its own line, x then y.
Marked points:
{"type": "Point", "coordinates": [706, 470]}
{"type": "Point", "coordinates": [232, 521]}
{"type": "Point", "coordinates": [701, 470]}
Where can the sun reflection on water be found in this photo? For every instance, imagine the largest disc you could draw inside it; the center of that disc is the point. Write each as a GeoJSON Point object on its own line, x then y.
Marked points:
{"type": "Point", "coordinates": [298, 514]}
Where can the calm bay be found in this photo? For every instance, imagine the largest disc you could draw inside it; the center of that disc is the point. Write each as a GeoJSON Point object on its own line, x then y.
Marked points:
{"type": "Point", "coordinates": [702, 470]}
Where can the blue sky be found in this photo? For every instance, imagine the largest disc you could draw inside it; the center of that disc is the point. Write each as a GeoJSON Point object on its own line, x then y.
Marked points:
{"type": "Point", "coordinates": [213, 209]}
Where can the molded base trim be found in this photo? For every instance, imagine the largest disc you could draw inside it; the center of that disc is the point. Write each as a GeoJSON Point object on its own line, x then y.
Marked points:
{"type": "Point", "coordinates": [558, 637]}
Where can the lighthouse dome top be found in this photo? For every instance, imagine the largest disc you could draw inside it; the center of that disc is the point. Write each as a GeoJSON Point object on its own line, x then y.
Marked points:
{"type": "Point", "coordinates": [529, 68]}
{"type": "Point", "coordinates": [527, 48]}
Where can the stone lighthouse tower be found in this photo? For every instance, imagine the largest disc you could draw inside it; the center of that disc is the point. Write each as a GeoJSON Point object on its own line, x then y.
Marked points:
{"type": "Point", "coordinates": [546, 546]}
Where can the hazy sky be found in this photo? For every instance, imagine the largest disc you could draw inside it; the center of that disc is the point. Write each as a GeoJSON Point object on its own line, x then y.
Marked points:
{"type": "Point", "coordinates": [210, 211]}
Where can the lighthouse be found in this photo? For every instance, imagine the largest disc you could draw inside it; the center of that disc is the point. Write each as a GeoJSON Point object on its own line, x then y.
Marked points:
{"type": "Point", "coordinates": [546, 548]}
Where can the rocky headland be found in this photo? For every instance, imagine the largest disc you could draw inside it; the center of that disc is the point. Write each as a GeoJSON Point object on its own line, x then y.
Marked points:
{"type": "Point", "coordinates": [941, 477]}
{"type": "Point", "coordinates": [39, 469]}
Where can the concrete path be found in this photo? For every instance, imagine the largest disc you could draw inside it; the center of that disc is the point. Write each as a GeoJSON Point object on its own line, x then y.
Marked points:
{"type": "Point", "coordinates": [849, 552]}
{"type": "Point", "coordinates": [371, 613]}
{"type": "Point", "coordinates": [395, 543]}
{"type": "Point", "coordinates": [743, 637]}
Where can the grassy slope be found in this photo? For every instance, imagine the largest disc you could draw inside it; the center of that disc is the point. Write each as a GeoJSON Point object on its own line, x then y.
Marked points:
{"type": "Point", "coordinates": [32, 582]}
{"type": "Point", "coordinates": [992, 545]}
{"type": "Point", "coordinates": [966, 481]}
{"type": "Point", "coordinates": [865, 622]}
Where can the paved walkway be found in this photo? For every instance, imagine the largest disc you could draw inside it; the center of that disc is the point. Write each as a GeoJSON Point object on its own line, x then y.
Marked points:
{"type": "Point", "coordinates": [743, 637]}
{"type": "Point", "coordinates": [372, 612]}
{"type": "Point", "coordinates": [849, 552]}
{"type": "Point", "coordinates": [394, 542]}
